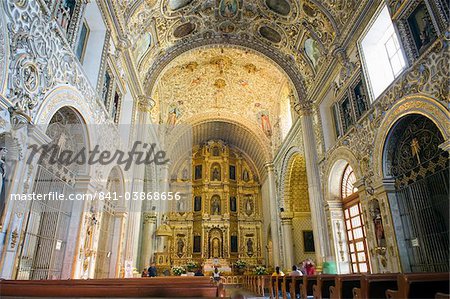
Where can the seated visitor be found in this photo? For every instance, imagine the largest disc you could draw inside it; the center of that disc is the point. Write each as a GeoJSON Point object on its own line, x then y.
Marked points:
{"type": "Point", "coordinates": [199, 272]}
{"type": "Point", "coordinates": [144, 273]}
{"type": "Point", "coordinates": [277, 272]}
{"type": "Point", "coordinates": [310, 267]}
{"type": "Point", "coordinates": [152, 270]}
{"type": "Point", "coordinates": [295, 271]}
{"type": "Point", "coordinates": [216, 274]}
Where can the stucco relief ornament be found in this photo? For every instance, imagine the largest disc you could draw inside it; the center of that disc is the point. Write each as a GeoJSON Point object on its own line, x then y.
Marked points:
{"type": "Point", "coordinates": [30, 77]}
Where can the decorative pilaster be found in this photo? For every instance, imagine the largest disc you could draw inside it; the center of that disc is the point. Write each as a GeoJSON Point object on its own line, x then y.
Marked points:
{"type": "Point", "coordinates": [286, 226]}
{"type": "Point", "coordinates": [273, 213]}
{"type": "Point", "coordinates": [319, 220]}
{"type": "Point", "coordinates": [148, 236]}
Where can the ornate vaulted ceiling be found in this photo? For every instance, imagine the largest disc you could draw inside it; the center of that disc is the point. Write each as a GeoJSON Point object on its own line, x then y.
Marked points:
{"type": "Point", "coordinates": [304, 32]}
{"type": "Point", "coordinates": [234, 61]}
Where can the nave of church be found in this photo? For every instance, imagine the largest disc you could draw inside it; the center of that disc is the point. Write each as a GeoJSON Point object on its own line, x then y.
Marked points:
{"type": "Point", "coordinates": [229, 139]}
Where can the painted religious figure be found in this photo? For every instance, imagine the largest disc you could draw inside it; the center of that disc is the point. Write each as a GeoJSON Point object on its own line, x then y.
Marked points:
{"type": "Point", "coordinates": [173, 115]}
{"type": "Point", "coordinates": [312, 51]}
{"type": "Point", "coordinates": [263, 118]}
{"type": "Point", "coordinates": [228, 8]}
{"type": "Point", "coordinates": [198, 172]}
{"type": "Point", "coordinates": [422, 28]}
{"type": "Point", "coordinates": [197, 203]}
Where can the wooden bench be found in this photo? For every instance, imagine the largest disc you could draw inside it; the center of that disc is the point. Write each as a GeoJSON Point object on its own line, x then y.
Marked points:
{"type": "Point", "coordinates": [306, 288]}
{"type": "Point", "coordinates": [293, 285]}
{"type": "Point", "coordinates": [420, 285]}
{"type": "Point", "coordinates": [322, 287]}
{"type": "Point", "coordinates": [169, 287]}
{"type": "Point", "coordinates": [375, 285]}
{"type": "Point", "coordinates": [275, 286]}
{"type": "Point", "coordinates": [343, 286]}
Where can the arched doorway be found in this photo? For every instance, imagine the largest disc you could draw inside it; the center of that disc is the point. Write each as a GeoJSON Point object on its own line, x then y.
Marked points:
{"type": "Point", "coordinates": [354, 222]}
{"type": "Point", "coordinates": [114, 187]}
{"type": "Point", "coordinates": [46, 229]}
{"type": "Point", "coordinates": [412, 157]}
{"type": "Point", "coordinates": [300, 244]}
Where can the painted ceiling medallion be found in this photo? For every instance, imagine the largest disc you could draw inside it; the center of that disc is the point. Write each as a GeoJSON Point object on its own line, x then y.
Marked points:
{"type": "Point", "coordinates": [270, 34]}
{"type": "Point", "coordinates": [184, 30]}
{"type": "Point", "coordinates": [281, 7]}
{"type": "Point", "coordinates": [178, 4]}
{"type": "Point", "coordinates": [228, 8]}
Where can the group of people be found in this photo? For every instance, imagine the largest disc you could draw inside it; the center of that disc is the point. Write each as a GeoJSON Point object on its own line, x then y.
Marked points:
{"type": "Point", "coordinates": [150, 272]}
{"type": "Point", "coordinates": [306, 267]}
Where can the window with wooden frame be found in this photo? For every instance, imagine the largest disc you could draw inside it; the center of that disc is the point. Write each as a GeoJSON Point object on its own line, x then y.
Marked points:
{"type": "Point", "coordinates": [354, 222]}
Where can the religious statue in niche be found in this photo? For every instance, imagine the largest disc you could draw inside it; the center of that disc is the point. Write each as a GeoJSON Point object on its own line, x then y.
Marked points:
{"type": "Point", "coordinates": [215, 205]}
{"type": "Point", "coordinates": [245, 176]}
{"type": "Point", "coordinates": [263, 118]}
{"type": "Point", "coordinates": [249, 205]}
{"type": "Point", "coordinates": [180, 247]}
{"type": "Point", "coordinates": [228, 8]}
{"type": "Point", "coordinates": [422, 28]}
{"type": "Point", "coordinates": [173, 115]}
{"type": "Point", "coordinates": [250, 247]}
{"type": "Point", "coordinates": [375, 213]}
{"type": "Point", "coordinates": [215, 173]}
{"type": "Point", "coordinates": [30, 77]}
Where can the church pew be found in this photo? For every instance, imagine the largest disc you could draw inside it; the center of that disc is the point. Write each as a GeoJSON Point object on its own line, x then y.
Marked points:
{"type": "Point", "coordinates": [375, 285]}
{"type": "Point", "coordinates": [161, 287]}
{"type": "Point", "coordinates": [344, 284]}
{"type": "Point", "coordinates": [420, 285]}
{"type": "Point", "coordinates": [263, 282]}
{"type": "Point", "coordinates": [276, 283]}
{"type": "Point", "coordinates": [295, 285]}
{"type": "Point", "coordinates": [321, 289]}
{"type": "Point", "coordinates": [306, 288]}
{"type": "Point", "coordinates": [286, 285]}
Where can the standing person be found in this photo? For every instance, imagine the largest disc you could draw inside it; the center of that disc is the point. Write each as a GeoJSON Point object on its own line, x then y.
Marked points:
{"type": "Point", "coordinates": [152, 270]}
{"type": "Point", "coordinates": [295, 271]}
{"type": "Point", "coordinates": [310, 267]}
{"type": "Point", "coordinates": [302, 267]}
{"type": "Point", "coordinates": [216, 274]}
{"type": "Point", "coordinates": [277, 272]}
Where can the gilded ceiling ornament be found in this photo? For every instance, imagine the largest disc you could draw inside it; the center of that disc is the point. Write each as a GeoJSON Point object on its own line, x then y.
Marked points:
{"type": "Point", "coordinates": [220, 83]}
{"type": "Point", "coordinates": [145, 103]}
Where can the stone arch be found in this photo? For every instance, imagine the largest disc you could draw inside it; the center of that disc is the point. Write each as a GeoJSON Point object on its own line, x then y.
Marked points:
{"type": "Point", "coordinates": [336, 164]}
{"type": "Point", "coordinates": [415, 104]}
{"type": "Point", "coordinates": [287, 67]}
{"type": "Point", "coordinates": [107, 256]}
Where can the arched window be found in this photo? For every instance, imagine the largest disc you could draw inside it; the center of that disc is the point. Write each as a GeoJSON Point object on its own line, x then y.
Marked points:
{"type": "Point", "coordinates": [354, 223]}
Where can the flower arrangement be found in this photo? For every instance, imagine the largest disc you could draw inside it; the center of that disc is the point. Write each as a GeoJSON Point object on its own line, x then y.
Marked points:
{"type": "Point", "coordinates": [178, 270]}
{"type": "Point", "coordinates": [240, 264]}
{"type": "Point", "coordinates": [191, 265]}
{"type": "Point", "coordinates": [260, 270]}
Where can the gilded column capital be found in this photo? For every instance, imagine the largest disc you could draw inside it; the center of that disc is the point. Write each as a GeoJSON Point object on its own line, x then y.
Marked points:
{"type": "Point", "coordinates": [286, 217]}
{"type": "Point", "coordinates": [145, 103]}
{"type": "Point", "coordinates": [304, 108]}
